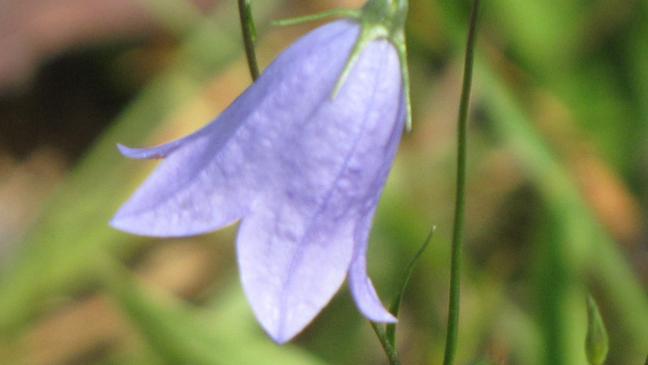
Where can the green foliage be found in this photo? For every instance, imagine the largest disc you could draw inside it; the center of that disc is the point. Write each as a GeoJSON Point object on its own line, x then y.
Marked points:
{"type": "Point", "coordinates": [58, 252]}
{"type": "Point", "coordinates": [394, 308]}
{"type": "Point", "coordinates": [596, 343]}
{"type": "Point", "coordinates": [180, 335]}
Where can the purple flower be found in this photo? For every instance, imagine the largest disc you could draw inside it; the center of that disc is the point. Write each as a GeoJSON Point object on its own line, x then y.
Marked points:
{"type": "Point", "coordinates": [302, 170]}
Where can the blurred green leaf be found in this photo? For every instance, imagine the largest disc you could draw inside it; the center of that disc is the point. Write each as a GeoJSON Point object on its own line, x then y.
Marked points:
{"type": "Point", "coordinates": [57, 253]}
{"type": "Point", "coordinates": [183, 335]}
{"type": "Point", "coordinates": [596, 343]}
{"type": "Point", "coordinates": [543, 34]}
{"type": "Point", "coordinates": [585, 245]}
{"type": "Point", "coordinates": [178, 16]}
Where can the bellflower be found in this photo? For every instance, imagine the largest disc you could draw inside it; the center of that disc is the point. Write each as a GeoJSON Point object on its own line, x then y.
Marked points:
{"type": "Point", "coordinates": [300, 159]}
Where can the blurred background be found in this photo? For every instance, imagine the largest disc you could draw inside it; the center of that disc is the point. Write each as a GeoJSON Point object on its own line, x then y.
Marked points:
{"type": "Point", "coordinates": [557, 195]}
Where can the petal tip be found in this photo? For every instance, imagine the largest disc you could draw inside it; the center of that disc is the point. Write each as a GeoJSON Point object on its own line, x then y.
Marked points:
{"type": "Point", "coordinates": [280, 339]}
{"type": "Point", "coordinates": [139, 153]}
{"type": "Point", "coordinates": [280, 330]}
{"type": "Point", "coordinates": [280, 334]}
{"type": "Point", "coordinates": [128, 224]}
{"type": "Point", "coordinates": [384, 317]}
{"type": "Point", "coordinates": [121, 224]}
{"type": "Point", "coordinates": [153, 153]}
{"type": "Point", "coordinates": [136, 226]}
{"type": "Point", "coordinates": [123, 149]}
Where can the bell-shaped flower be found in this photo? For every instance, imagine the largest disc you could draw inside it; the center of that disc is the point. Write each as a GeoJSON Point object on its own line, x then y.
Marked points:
{"type": "Point", "coordinates": [302, 169]}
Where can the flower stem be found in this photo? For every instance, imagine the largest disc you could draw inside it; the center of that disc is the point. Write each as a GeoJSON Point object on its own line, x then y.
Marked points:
{"type": "Point", "coordinates": [394, 308]}
{"type": "Point", "coordinates": [390, 351]}
{"type": "Point", "coordinates": [341, 13]}
{"type": "Point", "coordinates": [460, 200]}
{"type": "Point", "coordinates": [248, 28]}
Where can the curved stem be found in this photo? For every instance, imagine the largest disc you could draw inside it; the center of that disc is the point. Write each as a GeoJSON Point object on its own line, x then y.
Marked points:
{"type": "Point", "coordinates": [458, 228]}
{"type": "Point", "coordinates": [390, 351]}
{"type": "Point", "coordinates": [390, 329]}
{"type": "Point", "coordinates": [249, 30]}
{"type": "Point", "coordinates": [339, 13]}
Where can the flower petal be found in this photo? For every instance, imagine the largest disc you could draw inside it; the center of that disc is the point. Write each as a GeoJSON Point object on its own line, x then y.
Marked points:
{"type": "Point", "coordinates": [292, 265]}
{"type": "Point", "coordinates": [209, 179]}
{"type": "Point", "coordinates": [382, 156]}
{"type": "Point", "coordinates": [296, 246]}
{"type": "Point", "coordinates": [185, 195]}
{"type": "Point", "coordinates": [360, 284]}
{"type": "Point", "coordinates": [153, 153]}
{"type": "Point", "coordinates": [300, 168]}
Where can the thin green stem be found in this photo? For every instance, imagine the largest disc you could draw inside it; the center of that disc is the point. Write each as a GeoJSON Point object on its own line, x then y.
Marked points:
{"type": "Point", "coordinates": [333, 13]}
{"type": "Point", "coordinates": [390, 351]}
{"type": "Point", "coordinates": [390, 329]}
{"type": "Point", "coordinates": [248, 29]}
{"type": "Point", "coordinates": [460, 200]}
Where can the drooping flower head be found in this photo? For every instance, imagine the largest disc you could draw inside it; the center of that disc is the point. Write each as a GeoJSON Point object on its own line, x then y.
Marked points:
{"type": "Point", "coordinates": [300, 159]}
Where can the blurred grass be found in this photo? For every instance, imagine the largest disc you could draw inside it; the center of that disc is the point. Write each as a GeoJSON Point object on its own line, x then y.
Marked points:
{"type": "Point", "coordinates": [180, 335]}
{"type": "Point", "coordinates": [533, 251]}
{"type": "Point", "coordinates": [58, 253]}
{"type": "Point", "coordinates": [572, 245]}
